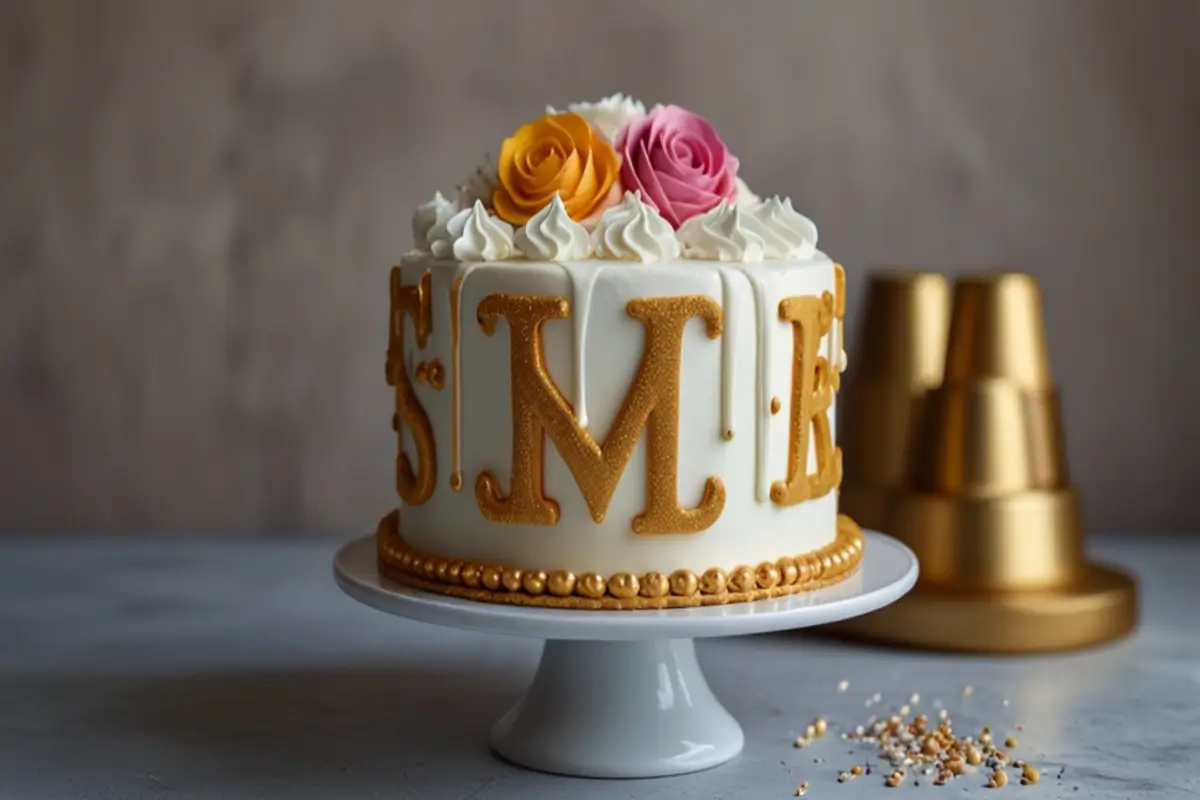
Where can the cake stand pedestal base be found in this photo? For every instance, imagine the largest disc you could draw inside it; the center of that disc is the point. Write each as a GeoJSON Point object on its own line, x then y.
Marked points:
{"type": "Point", "coordinates": [618, 710]}
{"type": "Point", "coordinates": [619, 694]}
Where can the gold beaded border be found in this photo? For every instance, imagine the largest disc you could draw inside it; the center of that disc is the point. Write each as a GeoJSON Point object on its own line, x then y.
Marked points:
{"type": "Point", "coordinates": [622, 591]}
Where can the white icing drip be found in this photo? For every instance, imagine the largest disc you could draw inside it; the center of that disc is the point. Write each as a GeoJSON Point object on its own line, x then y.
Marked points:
{"type": "Point", "coordinates": [551, 235]}
{"type": "Point", "coordinates": [762, 404]}
{"type": "Point", "coordinates": [474, 235]}
{"type": "Point", "coordinates": [728, 348]}
{"type": "Point", "coordinates": [582, 275]}
{"type": "Point", "coordinates": [429, 215]}
{"type": "Point", "coordinates": [721, 235]}
{"type": "Point", "coordinates": [787, 234]}
{"type": "Point", "coordinates": [633, 231]}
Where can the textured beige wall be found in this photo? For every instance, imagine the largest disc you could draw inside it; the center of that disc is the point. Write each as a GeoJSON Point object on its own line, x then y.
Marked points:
{"type": "Point", "coordinates": [199, 202]}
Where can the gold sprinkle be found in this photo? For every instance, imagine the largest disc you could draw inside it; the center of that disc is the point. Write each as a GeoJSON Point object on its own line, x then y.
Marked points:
{"type": "Point", "coordinates": [856, 770]}
{"type": "Point", "coordinates": [775, 405]}
{"type": "Point", "coordinates": [810, 732]}
{"type": "Point", "coordinates": [802, 789]}
{"type": "Point", "coordinates": [999, 779]}
{"type": "Point", "coordinates": [1010, 742]}
{"type": "Point", "coordinates": [973, 756]}
{"type": "Point", "coordinates": [820, 725]}
{"type": "Point", "coordinates": [1030, 774]}
{"type": "Point", "coordinates": [905, 711]}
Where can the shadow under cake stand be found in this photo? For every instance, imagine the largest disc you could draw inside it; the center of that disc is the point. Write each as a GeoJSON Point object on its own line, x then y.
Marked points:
{"type": "Point", "coordinates": [619, 694]}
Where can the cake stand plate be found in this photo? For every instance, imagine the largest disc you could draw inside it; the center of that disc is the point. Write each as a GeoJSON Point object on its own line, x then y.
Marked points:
{"type": "Point", "coordinates": [619, 694]}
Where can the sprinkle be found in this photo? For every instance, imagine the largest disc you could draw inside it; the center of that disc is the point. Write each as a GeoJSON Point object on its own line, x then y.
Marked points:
{"type": "Point", "coordinates": [802, 789]}
{"type": "Point", "coordinates": [1010, 742]}
{"type": "Point", "coordinates": [856, 770]}
{"type": "Point", "coordinates": [843, 686]}
{"type": "Point", "coordinates": [968, 690]}
{"type": "Point", "coordinates": [916, 698]}
{"type": "Point", "coordinates": [821, 725]}
{"type": "Point", "coordinates": [999, 779]}
{"type": "Point", "coordinates": [1029, 775]}
{"type": "Point", "coordinates": [810, 732]}
{"type": "Point", "coordinates": [843, 777]}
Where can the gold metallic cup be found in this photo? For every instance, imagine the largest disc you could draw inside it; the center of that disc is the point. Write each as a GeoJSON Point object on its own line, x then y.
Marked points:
{"type": "Point", "coordinates": [901, 347]}
{"type": "Point", "coordinates": [985, 499]}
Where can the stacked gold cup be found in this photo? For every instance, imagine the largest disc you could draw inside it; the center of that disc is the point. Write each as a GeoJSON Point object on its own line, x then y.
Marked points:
{"type": "Point", "coordinates": [953, 444]}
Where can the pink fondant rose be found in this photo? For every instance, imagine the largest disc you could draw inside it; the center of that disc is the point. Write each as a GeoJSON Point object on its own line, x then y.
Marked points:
{"type": "Point", "coordinates": [678, 162]}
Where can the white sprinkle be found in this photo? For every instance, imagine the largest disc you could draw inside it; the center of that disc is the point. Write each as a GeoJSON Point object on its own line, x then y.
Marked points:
{"type": "Point", "coordinates": [916, 698]}
{"type": "Point", "coordinates": [877, 697]}
{"type": "Point", "coordinates": [968, 690]}
{"type": "Point", "coordinates": [843, 685]}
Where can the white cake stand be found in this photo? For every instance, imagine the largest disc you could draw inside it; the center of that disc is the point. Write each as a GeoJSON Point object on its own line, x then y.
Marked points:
{"type": "Point", "coordinates": [619, 694]}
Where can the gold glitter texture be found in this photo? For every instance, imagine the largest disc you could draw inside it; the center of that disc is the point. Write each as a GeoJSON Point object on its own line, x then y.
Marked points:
{"type": "Point", "coordinates": [812, 395]}
{"type": "Point", "coordinates": [413, 302]}
{"type": "Point", "coordinates": [652, 403]}
{"type": "Point", "coordinates": [560, 589]}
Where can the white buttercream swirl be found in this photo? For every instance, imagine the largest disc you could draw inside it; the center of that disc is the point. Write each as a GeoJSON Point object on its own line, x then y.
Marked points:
{"type": "Point", "coordinates": [472, 235]}
{"type": "Point", "coordinates": [633, 231]}
{"type": "Point", "coordinates": [786, 233]}
{"type": "Point", "coordinates": [609, 115]}
{"type": "Point", "coordinates": [551, 235]}
{"type": "Point", "coordinates": [428, 216]}
{"type": "Point", "coordinates": [721, 235]}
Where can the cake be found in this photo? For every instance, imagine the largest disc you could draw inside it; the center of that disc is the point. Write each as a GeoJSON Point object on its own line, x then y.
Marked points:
{"type": "Point", "coordinates": [615, 371]}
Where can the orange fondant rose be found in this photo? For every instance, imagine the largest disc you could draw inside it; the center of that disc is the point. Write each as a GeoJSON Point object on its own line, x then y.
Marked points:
{"type": "Point", "coordinates": [557, 153]}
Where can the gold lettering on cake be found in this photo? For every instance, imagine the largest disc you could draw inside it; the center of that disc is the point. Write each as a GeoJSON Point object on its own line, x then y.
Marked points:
{"type": "Point", "coordinates": [839, 313]}
{"type": "Point", "coordinates": [412, 302]}
{"type": "Point", "coordinates": [652, 403]}
{"type": "Point", "coordinates": [812, 395]}
{"type": "Point", "coordinates": [456, 480]}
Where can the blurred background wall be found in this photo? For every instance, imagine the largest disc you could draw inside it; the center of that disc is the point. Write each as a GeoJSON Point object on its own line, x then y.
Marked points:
{"type": "Point", "coordinates": [199, 202]}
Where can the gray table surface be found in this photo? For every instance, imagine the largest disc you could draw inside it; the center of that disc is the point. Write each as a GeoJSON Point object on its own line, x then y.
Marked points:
{"type": "Point", "coordinates": [233, 668]}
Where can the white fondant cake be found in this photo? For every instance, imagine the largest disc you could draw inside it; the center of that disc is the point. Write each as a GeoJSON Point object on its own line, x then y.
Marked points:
{"type": "Point", "coordinates": [615, 372]}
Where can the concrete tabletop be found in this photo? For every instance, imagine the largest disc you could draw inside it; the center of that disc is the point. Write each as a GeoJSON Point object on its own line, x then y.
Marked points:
{"type": "Point", "coordinates": [234, 668]}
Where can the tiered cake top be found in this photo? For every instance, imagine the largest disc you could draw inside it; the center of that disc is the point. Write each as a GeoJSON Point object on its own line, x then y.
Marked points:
{"type": "Point", "coordinates": [610, 180]}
